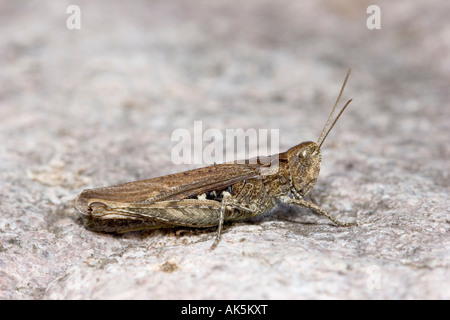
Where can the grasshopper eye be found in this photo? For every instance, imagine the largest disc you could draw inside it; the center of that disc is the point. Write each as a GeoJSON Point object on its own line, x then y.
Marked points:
{"type": "Point", "coordinates": [304, 158]}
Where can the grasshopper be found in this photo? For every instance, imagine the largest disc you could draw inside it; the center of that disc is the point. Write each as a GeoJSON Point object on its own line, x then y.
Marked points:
{"type": "Point", "coordinates": [209, 196]}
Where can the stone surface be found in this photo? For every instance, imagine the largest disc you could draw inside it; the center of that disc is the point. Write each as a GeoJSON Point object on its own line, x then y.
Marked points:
{"type": "Point", "coordinates": [97, 106]}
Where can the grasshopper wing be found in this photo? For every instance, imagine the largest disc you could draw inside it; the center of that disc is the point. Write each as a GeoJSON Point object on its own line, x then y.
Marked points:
{"type": "Point", "coordinates": [176, 186]}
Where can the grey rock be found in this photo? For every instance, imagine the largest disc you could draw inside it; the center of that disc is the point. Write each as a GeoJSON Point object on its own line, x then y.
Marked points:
{"type": "Point", "coordinates": [97, 106]}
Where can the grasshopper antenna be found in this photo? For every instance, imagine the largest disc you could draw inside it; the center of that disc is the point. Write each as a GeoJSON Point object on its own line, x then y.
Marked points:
{"type": "Point", "coordinates": [323, 135]}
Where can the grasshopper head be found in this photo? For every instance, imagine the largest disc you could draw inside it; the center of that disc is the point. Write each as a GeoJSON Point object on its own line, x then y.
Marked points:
{"type": "Point", "coordinates": [304, 166]}
{"type": "Point", "coordinates": [304, 159]}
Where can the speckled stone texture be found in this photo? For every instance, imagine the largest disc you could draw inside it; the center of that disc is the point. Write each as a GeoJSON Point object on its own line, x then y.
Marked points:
{"type": "Point", "coordinates": [97, 106]}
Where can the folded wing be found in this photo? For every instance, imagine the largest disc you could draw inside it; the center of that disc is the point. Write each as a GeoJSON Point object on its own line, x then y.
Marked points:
{"type": "Point", "coordinates": [176, 186]}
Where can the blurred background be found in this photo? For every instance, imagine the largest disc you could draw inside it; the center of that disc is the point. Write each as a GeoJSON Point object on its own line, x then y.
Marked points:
{"type": "Point", "coordinates": [96, 106]}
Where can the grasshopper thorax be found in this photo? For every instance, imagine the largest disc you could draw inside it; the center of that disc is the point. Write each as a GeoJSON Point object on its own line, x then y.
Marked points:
{"type": "Point", "coordinates": [304, 167]}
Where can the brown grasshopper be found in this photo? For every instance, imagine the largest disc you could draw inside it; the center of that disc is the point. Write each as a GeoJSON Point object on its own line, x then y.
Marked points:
{"type": "Point", "coordinates": [209, 196]}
